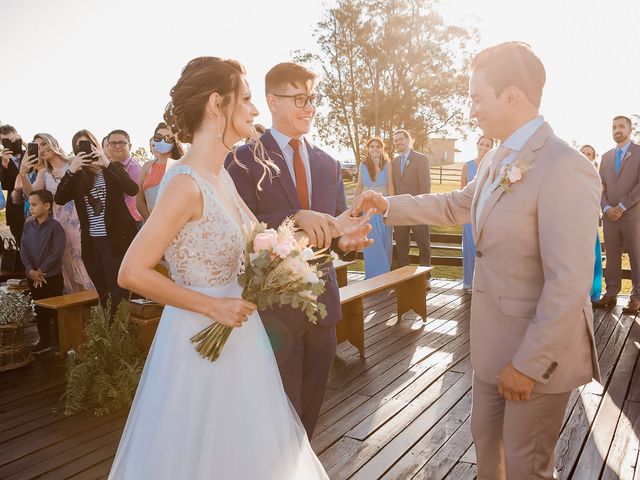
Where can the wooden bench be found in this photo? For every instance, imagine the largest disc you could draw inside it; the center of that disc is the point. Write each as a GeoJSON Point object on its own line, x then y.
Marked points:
{"type": "Point", "coordinates": [410, 284]}
{"type": "Point", "coordinates": [70, 316]}
{"type": "Point", "coordinates": [341, 268]}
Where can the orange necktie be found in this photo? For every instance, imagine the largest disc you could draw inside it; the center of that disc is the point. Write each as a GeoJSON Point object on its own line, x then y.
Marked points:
{"type": "Point", "coordinates": [301, 174]}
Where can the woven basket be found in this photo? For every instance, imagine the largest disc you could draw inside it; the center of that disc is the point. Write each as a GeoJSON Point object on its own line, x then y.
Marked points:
{"type": "Point", "coordinates": [13, 352]}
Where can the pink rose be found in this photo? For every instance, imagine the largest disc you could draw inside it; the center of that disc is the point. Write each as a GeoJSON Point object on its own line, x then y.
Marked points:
{"type": "Point", "coordinates": [284, 247]}
{"type": "Point", "coordinates": [515, 174]}
{"type": "Point", "coordinates": [265, 240]}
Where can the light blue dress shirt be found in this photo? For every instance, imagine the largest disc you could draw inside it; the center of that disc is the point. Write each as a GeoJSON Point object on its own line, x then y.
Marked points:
{"type": "Point", "coordinates": [287, 150]}
{"type": "Point", "coordinates": [517, 140]}
{"type": "Point", "coordinates": [624, 149]}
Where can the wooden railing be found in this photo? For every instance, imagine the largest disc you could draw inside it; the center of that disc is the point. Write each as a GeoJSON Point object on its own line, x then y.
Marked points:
{"type": "Point", "coordinates": [452, 242]}
{"type": "Point", "coordinates": [445, 173]}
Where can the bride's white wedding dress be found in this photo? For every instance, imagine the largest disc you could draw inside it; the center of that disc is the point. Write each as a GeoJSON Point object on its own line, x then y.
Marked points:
{"type": "Point", "coordinates": [193, 419]}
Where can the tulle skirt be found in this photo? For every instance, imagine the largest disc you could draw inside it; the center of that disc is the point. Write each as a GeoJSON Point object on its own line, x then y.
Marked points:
{"type": "Point", "coordinates": [230, 419]}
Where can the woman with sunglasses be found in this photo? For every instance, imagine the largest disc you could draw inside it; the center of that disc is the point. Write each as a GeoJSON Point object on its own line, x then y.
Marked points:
{"type": "Point", "coordinates": [98, 186]}
{"type": "Point", "coordinates": [165, 146]}
{"type": "Point", "coordinates": [53, 164]}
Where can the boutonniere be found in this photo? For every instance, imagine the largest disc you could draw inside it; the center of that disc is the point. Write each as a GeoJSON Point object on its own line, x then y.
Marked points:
{"type": "Point", "coordinates": [514, 171]}
{"type": "Point", "coordinates": [626, 155]}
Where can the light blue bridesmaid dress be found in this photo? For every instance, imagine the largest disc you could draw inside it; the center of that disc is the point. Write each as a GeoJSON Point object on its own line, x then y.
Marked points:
{"type": "Point", "coordinates": [377, 257]}
{"type": "Point", "coordinates": [468, 246]}
{"type": "Point", "coordinates": [596, 288]}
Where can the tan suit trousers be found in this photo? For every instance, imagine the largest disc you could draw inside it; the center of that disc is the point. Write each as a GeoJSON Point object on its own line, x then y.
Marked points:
{"type": "Point", "coordinates": [515, 440]}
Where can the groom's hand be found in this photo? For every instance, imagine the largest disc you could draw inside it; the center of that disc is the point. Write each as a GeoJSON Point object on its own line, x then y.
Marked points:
{"type": "Point", "coordinates": [317, 227]}
{"type": "Point", "coordinates": [369, 201]}
{"type": "Point", "coordinates": [514, 385]}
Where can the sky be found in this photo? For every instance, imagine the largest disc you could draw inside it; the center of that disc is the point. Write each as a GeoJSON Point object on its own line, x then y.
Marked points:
{"type": "Point", "coordinates": [107, 64]}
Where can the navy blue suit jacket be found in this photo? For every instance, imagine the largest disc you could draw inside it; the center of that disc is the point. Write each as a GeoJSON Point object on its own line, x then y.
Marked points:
{"type": "Point", "coordinates": [278, 200]}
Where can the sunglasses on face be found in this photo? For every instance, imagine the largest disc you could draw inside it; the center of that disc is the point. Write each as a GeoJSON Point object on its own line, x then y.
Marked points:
{"type": "Point", "coordinates": [301, 100]}
{"type": "Point", "coordinates": [121, 144]}
{"type": "Point", "coordinates": [158, 137]}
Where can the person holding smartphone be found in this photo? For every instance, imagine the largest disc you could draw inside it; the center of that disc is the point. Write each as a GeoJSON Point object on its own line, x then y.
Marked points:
{"type": "Point", "coordinates": [12, 152]}
{"type": "Point", "coordinates": [98, 188]}
{"type": "Point", "coordinates": [51, 165]}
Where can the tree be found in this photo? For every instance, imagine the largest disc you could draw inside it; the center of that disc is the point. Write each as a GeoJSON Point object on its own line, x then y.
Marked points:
{"type": "Point", "coordinates": [389, 64]}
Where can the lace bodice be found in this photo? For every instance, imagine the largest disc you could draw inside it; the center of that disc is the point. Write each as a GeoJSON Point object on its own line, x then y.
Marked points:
{"type": "Point", "coordinates": [207, 252]}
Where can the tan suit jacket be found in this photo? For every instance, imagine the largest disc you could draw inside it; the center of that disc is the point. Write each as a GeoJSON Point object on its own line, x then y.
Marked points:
{"type": "Point", "coordinates": [534, 265]}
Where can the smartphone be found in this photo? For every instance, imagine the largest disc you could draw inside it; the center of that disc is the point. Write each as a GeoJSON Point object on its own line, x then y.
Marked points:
{"type": "Point", "coordinates": [32, 149]}
{"type": "Point", "coordinates": [15, 147]}
{"type": "Point", "coordinates": [84, 146]}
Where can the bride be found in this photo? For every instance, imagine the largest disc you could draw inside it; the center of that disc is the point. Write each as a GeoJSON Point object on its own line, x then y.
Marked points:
{"type": "Point", "coordinates": [193, 419]}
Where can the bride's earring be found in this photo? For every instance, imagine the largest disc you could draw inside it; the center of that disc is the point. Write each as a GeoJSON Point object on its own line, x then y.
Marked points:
{"type": "Point", "coordinates": [218, 134]}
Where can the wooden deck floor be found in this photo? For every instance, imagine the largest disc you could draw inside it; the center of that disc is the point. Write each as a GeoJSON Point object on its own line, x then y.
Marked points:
{"type": "Point", "coordinates": [402, 413]}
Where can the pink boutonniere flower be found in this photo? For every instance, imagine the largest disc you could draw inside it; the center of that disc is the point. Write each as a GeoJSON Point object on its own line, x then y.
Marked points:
{"type": "Point", "coordinates": [514, 172]}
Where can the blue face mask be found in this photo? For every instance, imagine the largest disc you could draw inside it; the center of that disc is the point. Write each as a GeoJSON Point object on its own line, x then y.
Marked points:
{"type": "Point", "coordinates": [162, 146]}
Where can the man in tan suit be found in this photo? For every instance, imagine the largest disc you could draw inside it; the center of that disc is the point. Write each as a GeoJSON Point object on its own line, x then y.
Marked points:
{"type": "Point", "coordinates": [534, 208]}
{"type": "Point", "coordinates": [620, 170]}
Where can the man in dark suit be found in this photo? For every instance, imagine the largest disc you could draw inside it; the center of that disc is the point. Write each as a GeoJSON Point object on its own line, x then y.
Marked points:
{"type": "Point", "coordinates": [12, 155]}
{"type": "Point", "coordinates": [309, 189]}
{"type": "Point", "coordinates": [410, 176]}
{"type": "Point", "coordinates": [619, 171]}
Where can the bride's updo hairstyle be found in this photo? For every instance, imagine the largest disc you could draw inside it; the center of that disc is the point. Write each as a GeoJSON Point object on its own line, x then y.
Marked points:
{"type": "Point", "coordinates": [202, 77]}
{"type": "Point", "coordinates": [199, 79]}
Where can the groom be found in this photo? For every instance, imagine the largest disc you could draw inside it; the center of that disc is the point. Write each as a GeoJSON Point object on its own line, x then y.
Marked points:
{"type": "Point", "coordinates": [309, 189]}
{"type": "Point", "coordinates": [533, 207]}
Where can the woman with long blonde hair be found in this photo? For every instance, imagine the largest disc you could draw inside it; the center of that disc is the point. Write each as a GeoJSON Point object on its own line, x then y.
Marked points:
{"type": "Point", "coordinates": [376, 174]}
{"type": "Point", "coordinates": [53, 164]}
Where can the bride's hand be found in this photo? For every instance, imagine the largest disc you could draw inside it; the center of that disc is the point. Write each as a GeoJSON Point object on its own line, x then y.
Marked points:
{"type": "Point", "coordinates": [232, 312]}
{"type": "Point", "coordinates": [345, 224]}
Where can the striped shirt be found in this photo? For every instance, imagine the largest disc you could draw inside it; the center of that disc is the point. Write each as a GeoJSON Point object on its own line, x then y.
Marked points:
{"type": "Point", "coordinates": [95, 207]}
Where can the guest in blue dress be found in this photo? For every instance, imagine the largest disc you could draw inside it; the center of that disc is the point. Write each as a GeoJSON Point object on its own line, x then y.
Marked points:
{"type": "Point", "coordinates": [375, 174]}
{"type": "Point", "coordinates": [469, 170]}
{"type": "Point", "coordinates": [596, 288]}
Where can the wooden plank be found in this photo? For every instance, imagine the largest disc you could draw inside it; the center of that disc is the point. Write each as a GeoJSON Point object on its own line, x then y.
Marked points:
{"type": "Point", "coordinates": [69, 300]}
{"type": "Point", "coordinates": [399, 344]}
{"type": "Point", "coordinates": [98, 471]}
{"type": "Point", "coordinates": [462, 471]}
{"type": "Point", "coordinates": [373, 405]}
{"type": "Point", "coordinates": [372, 460]}
{"type": "Point", "coordinates": [574, 434]}
{"type": "Point", "coordinates": [61, 453]}
{"type": "Point", "coordinates": [381, 282]}
{"type": "Point", "coordinates": [343, 448]}
{"type": "Point", "coordinates": [593, 456]}
{"type": "Point", "coordinates": [421, 439]}
{"type": "Point", "coordinates": [445, 459]}
{"type": "Point", "coordinates": [623, 454]}
{"type": "Point", "coordinates": [394, 369]}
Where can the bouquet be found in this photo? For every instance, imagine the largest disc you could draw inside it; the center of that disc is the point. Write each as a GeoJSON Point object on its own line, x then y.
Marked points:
{"type": "Point", "coordinates": [278, 270]}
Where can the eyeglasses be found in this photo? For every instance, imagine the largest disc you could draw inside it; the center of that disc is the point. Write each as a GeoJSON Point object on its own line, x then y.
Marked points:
{"type": "Point", "coordinates": [301, 100]}
{"type": "Point", "coordinates": [120, 144]}
{"type": "Point", "coordinates": [167, 138]}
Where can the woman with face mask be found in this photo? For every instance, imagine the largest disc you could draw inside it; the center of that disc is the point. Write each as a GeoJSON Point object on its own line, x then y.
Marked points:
{"type": "Point", "coordinates": [164, 146]}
